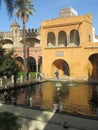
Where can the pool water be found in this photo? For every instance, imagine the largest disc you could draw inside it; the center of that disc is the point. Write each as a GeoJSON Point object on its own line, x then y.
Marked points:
{"type": "Point", "coordinates": [76, 98]}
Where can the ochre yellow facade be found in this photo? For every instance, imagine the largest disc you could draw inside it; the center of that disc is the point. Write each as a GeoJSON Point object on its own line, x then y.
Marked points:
{"type": "Point", "coordinates": [67, 46]}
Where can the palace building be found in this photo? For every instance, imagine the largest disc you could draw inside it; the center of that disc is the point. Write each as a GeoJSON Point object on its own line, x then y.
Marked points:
{"type": "Point", "coordinates": [67, 44]}
{"type": "Point", "coordinates": [14, 40]}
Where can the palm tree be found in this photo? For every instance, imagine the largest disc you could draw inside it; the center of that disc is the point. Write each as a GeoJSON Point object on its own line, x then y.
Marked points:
{"type": "Point", "coordinates": [9, 6]}
{"type": "Point", "coordinates": [24, 8]}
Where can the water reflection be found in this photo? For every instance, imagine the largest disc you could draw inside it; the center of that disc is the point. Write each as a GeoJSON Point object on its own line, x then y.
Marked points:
{"type": "Point", "coordinates": [79, 99]}
{"type": "Point", "coordinates": [24, 95]}
{"type": "Point", "coordinates": [93, 101]}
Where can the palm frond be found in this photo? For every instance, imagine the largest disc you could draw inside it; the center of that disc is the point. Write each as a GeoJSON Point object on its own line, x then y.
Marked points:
{"type": "Point", "coordinates": [0, 3]}
{"type": "Point", "coordinates": [24, 8]}
{"type": "Point", "coordinates": [9, 6]}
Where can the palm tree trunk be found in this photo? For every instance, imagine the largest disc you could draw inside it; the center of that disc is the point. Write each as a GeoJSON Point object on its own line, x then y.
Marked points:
{"type": "Point", "coordinates": [24, 52]}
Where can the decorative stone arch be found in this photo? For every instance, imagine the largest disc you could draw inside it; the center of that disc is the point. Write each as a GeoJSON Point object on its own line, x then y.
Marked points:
{"type": "Point", "coordinates": [74, 38]}
{"type": "Point", "coordinates": [32, 42]}
{"type": "Point", "coordinates": [62, 39]}
{"type": "Point", "coordinates": [94, 62]}
{"type": "Point", "coordinates": [31, 63]}
{"type": "Point", "coordinates": [20, 63]}
{"type": "Point", "coordinates": [62, 67]}
{"type": "Point", "coordinates": [50, 39]}
{"type": "Point", "coordinates": [7, 43]}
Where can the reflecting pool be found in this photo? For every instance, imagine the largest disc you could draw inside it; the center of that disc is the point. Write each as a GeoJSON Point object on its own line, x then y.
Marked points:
{"type": "Point", "coordinates": [76, 98]}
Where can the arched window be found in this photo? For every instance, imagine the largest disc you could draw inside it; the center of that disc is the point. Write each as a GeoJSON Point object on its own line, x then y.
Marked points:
{"type": "Point", "coordinates": [62, 39]}
{"type": "Point", "coordinates": [50, 39]}
{"type": "Point", "coordinates": [31, 63]}
{"type": "Point", "coordinates": [74, 38]}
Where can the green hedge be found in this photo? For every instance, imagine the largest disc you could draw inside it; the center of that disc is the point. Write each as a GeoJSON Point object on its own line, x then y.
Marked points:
{"type": "Point", "coordinates": [32, 74]}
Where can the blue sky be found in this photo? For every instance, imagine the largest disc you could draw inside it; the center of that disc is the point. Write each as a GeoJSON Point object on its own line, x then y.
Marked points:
{"type": "Point", "coordinates": [47, 9]}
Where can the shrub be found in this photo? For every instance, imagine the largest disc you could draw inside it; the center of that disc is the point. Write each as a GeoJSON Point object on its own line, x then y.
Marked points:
{"type": "Point", "coordinates": [8, 121]}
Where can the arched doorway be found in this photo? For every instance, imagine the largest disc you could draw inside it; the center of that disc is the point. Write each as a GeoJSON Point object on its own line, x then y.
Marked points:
{"type": "Point", "coordinates": [20, 63]}
{"type": "Point", "coordinates": [94, 61]}
{"type": "Point", "coordinates": [31, 63]}
{"type": "Point", "coordinates": [62, 66]}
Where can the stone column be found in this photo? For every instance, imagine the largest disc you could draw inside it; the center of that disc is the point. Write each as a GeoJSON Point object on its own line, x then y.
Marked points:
{"type": "Point", "coordinates": [68, 39]}
{"type": "Point", "coordinates": [37, 67]}
{"type": "Point", "coordinates": [56, 41]}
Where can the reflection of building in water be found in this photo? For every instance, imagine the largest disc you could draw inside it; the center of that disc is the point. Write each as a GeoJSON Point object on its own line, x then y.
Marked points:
{"type": "Point", "coordinates": [37, 96]}
{"type": "Point", "coordinates": [48, 90]}
{"type": "Point", "coordinates": [21, 97]}
{"type": "Point", "coordinates": [78, 99]}
{"type": "Point", "coordinates": [94, 98]}
{"type": "Point", "coordinates": [75, 100]}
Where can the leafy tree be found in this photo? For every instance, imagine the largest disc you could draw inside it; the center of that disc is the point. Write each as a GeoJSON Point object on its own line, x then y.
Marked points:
{"type": "Point", "coordinates": [1, 54]}
{"type": "Point", "coordinates": [9, 65]}
{"type": "Point", "coordinates": [9, 121]}
{"type": "Point", "coordinates": [24, 8]}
